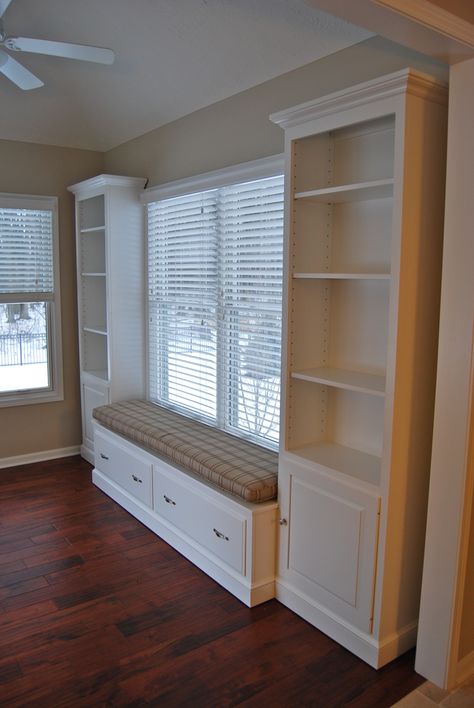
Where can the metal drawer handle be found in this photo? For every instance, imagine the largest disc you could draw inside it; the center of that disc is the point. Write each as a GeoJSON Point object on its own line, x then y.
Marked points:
{"type": "Point", "coordinates": [135, 479]}
{"type": "Point", "coordinates": [219, 534]}
{"type": "Point", "coordinates": [168, 500]}
{"type": "Point", "coordinates": [104, 457]}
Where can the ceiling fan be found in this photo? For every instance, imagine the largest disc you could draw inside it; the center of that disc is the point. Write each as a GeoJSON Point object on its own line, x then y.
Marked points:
{"type": "Point", "coordinates": [25, 79]}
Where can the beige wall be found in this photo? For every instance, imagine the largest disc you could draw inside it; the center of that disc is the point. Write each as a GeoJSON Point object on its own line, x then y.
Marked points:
{"type": "Point", "coordinates": [45, 170]}
{"type": "Point", "coordinates": [238, 129]}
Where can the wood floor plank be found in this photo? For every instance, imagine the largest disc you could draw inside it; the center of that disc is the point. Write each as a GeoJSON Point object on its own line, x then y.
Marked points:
{"type": "Point", "coordinates": [97, 610]}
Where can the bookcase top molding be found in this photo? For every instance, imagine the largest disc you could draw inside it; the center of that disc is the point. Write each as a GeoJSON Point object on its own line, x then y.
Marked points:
{"type": "Point", "coordinates": [102, 181]}
{"type": "Point", "coordinates": [405, 81]}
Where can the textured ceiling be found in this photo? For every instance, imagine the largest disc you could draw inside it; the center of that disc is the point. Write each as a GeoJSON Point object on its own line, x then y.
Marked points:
{"type": "Point", "coordinates": [173, 57]}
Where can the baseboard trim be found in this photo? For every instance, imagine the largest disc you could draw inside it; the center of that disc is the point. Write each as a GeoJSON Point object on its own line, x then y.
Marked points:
{"type": "Point", "coordinates": [366, 647]}
{"type": "Point", "coordinates": [249, 593]}
{"type": "Point", "coordinates": [465, 668]}
{"type": "Point", "coordinates": [32, 457]}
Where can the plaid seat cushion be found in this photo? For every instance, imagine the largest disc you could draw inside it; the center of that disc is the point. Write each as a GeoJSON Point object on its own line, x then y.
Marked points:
{"type": "Point", "coordinates": [237, 466]}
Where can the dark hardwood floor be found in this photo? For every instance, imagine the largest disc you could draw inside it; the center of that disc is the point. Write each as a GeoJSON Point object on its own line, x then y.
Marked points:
{"type": "Point", "coordinates": [95, 610]}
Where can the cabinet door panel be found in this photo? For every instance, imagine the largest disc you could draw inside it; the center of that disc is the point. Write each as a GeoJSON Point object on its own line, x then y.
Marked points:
{"type": "Point", "coordinates": [328, 548]}
{"type": "Point", "coordinates": [91, 398]}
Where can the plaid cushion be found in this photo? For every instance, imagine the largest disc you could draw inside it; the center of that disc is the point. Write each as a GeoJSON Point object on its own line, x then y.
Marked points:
{"type": "Point", "coordinates": [237, 466]}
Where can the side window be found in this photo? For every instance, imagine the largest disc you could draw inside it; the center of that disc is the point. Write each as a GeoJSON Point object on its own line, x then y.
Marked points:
{"type": "Point", "coordinates": [30, 332]}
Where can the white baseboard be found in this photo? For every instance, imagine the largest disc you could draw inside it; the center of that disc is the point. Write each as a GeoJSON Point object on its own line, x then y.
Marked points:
{"type": "Point", "coordinates": [39, 456]}
{"type": "Point", "coordinates": [465, 668]}
{"type": "Point", "coordinates": [366, 647]}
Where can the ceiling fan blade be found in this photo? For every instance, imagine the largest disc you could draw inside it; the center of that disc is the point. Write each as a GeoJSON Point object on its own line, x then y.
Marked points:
{"type": "Point", "coordinates": [84, 52]}
{"type": "Point", "coordinates": [3, 6]}
{"type": "Point", "coordinates": [17, 73]}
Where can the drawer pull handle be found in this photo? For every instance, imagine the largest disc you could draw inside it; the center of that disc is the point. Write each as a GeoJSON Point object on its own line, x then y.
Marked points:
{"type": "Point", "coordinates": [104, 457]}
{"type": "Point", "coordinates": [219, 534]}
{"type": "Point", "coordinates": [136, 479]}
{"type": "Point", "coordinates": [168, 500]}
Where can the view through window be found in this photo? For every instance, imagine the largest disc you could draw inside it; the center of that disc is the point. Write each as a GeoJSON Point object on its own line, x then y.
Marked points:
{"type": "Point", "coordinates": [215, 298]}
{"type": "Point", "coordinates": [27, 298]}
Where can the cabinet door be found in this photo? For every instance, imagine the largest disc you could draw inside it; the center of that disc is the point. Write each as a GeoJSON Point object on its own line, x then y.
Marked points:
{"type": "Point", "coordinates": [92, 397]}
{"type": "Point", "coordinates": [328, 546]}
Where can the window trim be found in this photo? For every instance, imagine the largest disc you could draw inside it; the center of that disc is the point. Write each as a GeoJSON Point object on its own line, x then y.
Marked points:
{"type": "Point", "coordinates": [244, 172]}
{"type": "Point", "coordinates": [56, 391]}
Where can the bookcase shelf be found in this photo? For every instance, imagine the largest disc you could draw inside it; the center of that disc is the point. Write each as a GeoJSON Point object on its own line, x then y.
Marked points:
{"type": "Point", "coordinates": [363, 191]}
{"type": "Point", "coordinates": [341, 378]}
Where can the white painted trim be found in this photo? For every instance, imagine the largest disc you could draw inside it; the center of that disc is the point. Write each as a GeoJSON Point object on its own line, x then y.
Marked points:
{"type": "Point", "coordinates": [39, 456]}
{"type": "Point", "coordinates": [102, 181]}
{"type": "Point", "coordinates": [245, 171]}
{"type": "Point", "coordinates": [434, 17]}
{"type": "Point", "coordinates": [465, 668]}
{"type": "Point", "coordinates": [400, 82]}
{"type": "Point", "coordinates": [249, 593]}
{"type": "Point", "coordinates": [366, 647]}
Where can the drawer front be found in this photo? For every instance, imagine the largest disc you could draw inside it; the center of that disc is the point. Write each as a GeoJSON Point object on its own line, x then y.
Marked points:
{"type": "Point", "coordinates": [213, 526]}
{"type": "Point", "coordinates": [125, 467]}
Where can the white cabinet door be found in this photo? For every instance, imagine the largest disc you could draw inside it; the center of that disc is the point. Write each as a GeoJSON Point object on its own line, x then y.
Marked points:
{"type": "Point", "coordinates": [92, 396]}
{"type": "Point", "coordinates": [328, 544]}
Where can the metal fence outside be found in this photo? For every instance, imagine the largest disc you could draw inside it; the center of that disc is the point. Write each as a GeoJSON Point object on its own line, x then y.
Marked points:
{"type": "Point", "coordinates": [20, 349]}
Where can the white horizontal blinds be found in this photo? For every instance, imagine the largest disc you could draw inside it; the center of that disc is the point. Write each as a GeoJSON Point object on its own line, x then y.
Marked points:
{"type": "Point", "coordinates": [251, 226]}
{"type": "Point", "coordinates": [215, 290]}
{"type": "Point", "coordinates": [26, 252]}
{"type": "Point", "coordinates": [183, 262]}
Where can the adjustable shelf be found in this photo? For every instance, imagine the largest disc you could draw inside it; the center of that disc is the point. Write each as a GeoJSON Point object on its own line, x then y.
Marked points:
{"type": "Point", "coordinates": [95, 330]}
{"type": "Point", "coordinates": [360, 382]}
{"type": "Point", "coordinates": [93, 229]}
{"type": "Point", "coordinates": [348, 461]}
{"type": "Point", "coordinates": [362, 191]}
{"type": "Point", "coordinates": [93, 275]}
{"type": "Point", "coordinates": [342, 276]}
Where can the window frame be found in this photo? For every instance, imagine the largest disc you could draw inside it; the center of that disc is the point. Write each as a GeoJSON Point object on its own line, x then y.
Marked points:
{"type": "Point", "coordinates": [55, 392]}
{"type": "Point", "coordinates": [245, 172]}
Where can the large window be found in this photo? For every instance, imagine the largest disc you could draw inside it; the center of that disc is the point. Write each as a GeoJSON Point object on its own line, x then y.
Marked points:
{"type": "Point", "coordinates": [30, 361]}
{"type": "Point", "coordinates": [215, 298]}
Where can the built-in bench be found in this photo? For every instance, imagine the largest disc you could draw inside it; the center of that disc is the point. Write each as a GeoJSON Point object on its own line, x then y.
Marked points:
{"type": "Point", "coordinates": [209, 494]}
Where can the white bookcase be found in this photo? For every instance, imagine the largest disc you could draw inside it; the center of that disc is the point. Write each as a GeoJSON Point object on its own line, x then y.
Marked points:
{"type": "Point", "coordinates": [364, 215]}
{"type": "Point", "coordinates": [110, 277]}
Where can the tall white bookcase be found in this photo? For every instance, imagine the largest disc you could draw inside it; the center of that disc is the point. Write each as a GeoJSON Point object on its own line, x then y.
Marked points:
{"type": "Point", "coordinates": [364, 222]}
{"type": "Point", "coordinates": [110, 279]}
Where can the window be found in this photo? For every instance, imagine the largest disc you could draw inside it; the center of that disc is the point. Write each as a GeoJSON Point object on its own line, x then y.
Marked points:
{"type": "Point", "coordinates": [215, 298]}
{"type": "Point", "coordinates": [30, 352]}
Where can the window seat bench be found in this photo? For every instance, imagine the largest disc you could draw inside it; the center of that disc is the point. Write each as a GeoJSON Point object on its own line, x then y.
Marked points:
{"type": "Point", "coordinates": [206, 493]}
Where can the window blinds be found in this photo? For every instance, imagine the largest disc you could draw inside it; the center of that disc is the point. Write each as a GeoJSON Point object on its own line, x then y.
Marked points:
{"type": "Point", "coordinates": [26, 248]}
{"type": "Point", "coordinates": [215, 289]}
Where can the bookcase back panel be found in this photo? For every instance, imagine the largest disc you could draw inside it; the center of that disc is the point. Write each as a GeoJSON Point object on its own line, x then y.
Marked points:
{"type": "Point", "coordinates": [322, 414]}
{"type": "Point", "coordinates": [360, 153]}
{"type": "Point", "coordinates": [94, 353]}
{"type": "Point", "coordinates": [361, 236]}
{"type": "Point", "coordinates": [364, 152]}
{"type": "Point", "coordinates": [92, 252]}
{"type": "Point", "coordinates": [359, 325]}
{"type": "Point", "coordinates": [92, 212]}
{"type": "Point", "coordinates": [94, 311]}
{"type": "Point", "coordinates": [342, 324]}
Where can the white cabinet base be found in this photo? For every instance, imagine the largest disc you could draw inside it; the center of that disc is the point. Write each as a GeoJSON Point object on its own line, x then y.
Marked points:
{"type": "Point", "coordinates": [233, 542]}
{"type": "Point", "coordinates": [363, 645]}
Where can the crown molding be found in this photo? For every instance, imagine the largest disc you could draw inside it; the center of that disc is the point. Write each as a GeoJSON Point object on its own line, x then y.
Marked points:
{"type": "Point", "coordinates": [404, 81]}
{"type": "Point", "coordinates": [102, 181]}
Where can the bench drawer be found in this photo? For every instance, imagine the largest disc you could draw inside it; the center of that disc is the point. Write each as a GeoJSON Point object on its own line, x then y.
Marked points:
{"type": "Point", "coordinates": [207, 522]}
{"type": "Point", "coordinates": [125, 467]}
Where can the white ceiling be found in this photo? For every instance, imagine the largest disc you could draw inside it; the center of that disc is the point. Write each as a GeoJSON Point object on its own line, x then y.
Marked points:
{"type": "Point", "coordinates": [173, 57]}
